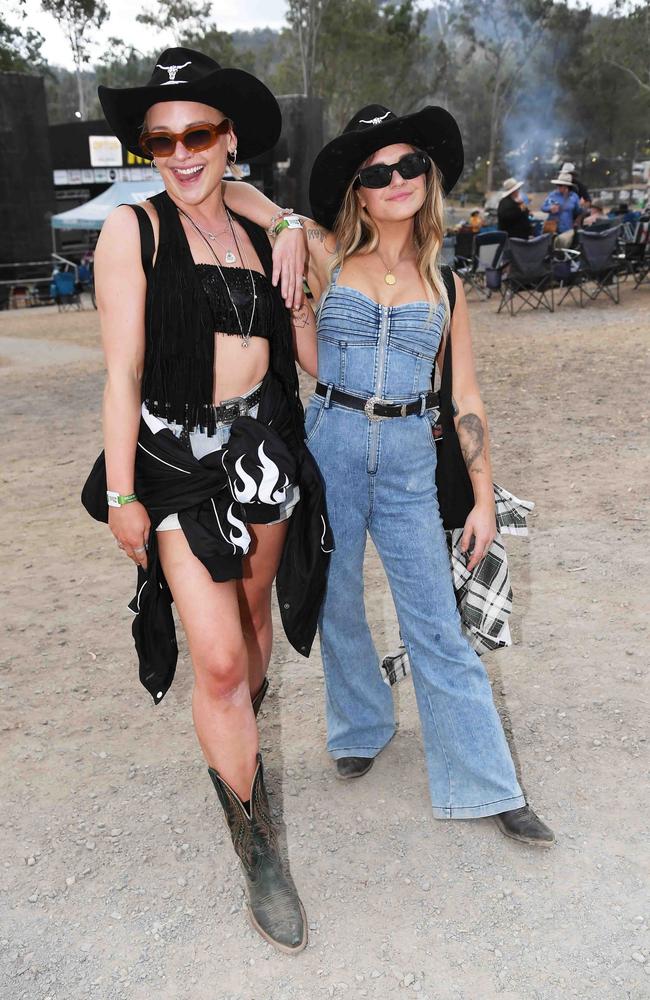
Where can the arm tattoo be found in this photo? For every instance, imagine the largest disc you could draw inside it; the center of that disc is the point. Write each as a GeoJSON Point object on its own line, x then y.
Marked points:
{"type": "Point", "coordinates": [301, 318]}
{"type": "Point", "coordinates": [316, 234]}
{"type": "Point", "coordinates": [471, 436]}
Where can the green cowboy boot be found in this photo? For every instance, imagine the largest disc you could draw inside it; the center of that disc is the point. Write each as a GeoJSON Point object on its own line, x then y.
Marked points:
{"type": "Point", "coordinates": [274, 906]}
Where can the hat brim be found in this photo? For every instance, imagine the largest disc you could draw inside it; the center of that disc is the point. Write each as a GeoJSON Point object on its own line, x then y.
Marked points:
{"type": "Point", "coordinates": [558, 180]}
{"type": "Point", "coordinates": [516, 187]}
{"type": "Point", "coordinates": [239, 95]}
{"type": "Point", "coordinates": [433, 130]}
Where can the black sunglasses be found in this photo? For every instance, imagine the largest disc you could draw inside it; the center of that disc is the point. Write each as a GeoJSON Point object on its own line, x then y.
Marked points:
{"type": "Point", "coordinates": [379, 175]}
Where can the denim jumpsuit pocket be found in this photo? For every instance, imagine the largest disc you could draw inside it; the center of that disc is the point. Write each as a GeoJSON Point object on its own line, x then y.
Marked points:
{"type": "Point", "coordinates": [313, 417]}
{"type": "Point", "coordinates": [432, 417]}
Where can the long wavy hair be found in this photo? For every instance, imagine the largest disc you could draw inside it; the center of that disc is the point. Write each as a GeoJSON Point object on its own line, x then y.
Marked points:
{"type": "Point", "coordinates": [356, 232]}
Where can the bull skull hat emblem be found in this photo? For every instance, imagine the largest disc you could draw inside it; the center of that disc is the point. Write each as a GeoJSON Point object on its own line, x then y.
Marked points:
{"type": "Point", "coordinates": [173, 70]}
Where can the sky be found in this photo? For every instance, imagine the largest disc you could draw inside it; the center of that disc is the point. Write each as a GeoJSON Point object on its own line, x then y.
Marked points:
{"type": "Point", "coordinates": [229, 15]}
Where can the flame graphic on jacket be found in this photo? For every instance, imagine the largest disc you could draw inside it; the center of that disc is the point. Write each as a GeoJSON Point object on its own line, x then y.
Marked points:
{"type": "Point", "coordinates": [268, 489]}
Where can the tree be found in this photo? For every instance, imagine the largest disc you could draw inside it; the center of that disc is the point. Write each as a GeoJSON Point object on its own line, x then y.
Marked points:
{"type": "Point", "coordinates": [503, 34]}
{"type": "Point", "coordinates": [305, 18]}
{"type": "Point", "coordinates": [78, 18]}
{"type": "Point", "coordinates": [20, 46]}
{"type": "Point", "coordinates": [629, 40]}
{"type": "Point", "coordinates": [180, 18]}
{"type": "Point", "coordinates": [356, 52]}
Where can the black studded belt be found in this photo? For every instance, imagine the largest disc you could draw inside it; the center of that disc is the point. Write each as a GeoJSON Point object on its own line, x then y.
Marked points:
{"type": "Point", "coordinates": [238, 406]}
{"type": "Point", "coordinates": [376, 408]}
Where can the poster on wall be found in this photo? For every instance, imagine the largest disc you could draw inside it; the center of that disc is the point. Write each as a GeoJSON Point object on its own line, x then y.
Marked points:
{"type": "Point", "coordinates": [105, 151]}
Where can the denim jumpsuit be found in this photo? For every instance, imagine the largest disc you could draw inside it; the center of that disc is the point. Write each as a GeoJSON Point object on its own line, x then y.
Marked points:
{"type": "Point", "coordinates": [380, 478]}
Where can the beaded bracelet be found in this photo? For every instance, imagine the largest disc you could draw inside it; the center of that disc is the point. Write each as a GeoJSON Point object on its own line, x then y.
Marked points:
{"type": "Point", "coordinates": [274, 219]}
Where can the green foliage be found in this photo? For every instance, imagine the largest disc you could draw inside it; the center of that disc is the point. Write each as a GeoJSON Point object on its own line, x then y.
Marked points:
{"type": "Point", "coordinates": [20, 49]}
{"type": "Point", "coordinates": [78, 18]}
{"type": "Point", "coordinates": [361, 52]}
{"type": "Point", "coordinates": [180, 18]}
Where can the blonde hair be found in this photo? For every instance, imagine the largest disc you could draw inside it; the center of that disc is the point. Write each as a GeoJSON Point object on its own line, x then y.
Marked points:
{"type": "Point", "coordinates": [356, 232]}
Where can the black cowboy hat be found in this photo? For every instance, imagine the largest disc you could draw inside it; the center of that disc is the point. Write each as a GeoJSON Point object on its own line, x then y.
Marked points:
{"type": "Point", "coordinates": [432, 130]}
{"type": "Point", "coordinates": [185, 75]}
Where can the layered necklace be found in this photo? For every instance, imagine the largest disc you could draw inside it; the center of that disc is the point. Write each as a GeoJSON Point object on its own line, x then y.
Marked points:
{"type": "Point", "coordinates": [229, 258]}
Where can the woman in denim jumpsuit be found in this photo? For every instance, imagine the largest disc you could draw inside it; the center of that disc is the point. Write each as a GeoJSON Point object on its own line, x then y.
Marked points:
{"type": "Point", "coordinates": [379, 340]}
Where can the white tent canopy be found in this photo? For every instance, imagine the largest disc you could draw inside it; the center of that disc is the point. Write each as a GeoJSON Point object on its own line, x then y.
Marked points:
{"type": "Point", "coordinates": [93, 213]}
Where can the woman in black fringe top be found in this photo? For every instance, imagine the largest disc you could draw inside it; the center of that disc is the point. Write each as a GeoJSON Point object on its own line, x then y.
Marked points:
{"type": "Point", "coordinates": [205, 480]}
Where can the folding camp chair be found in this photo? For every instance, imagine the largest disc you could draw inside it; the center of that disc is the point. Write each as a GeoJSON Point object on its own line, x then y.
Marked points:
{"type": "Point", "coordinates": [637, 250]}
{"type": "Point", "coordinates": [448, 250]}
{"type": "Point", "coordinates": [64, 290]}
{"type": "Point", "coordinates": [600, 264]}
{"type": "Point", "coordinates": [463, 253]}
{"type": "Point", "coordinates": [530, 275]}
{"type": "Point", "coordinates": [486, 255]}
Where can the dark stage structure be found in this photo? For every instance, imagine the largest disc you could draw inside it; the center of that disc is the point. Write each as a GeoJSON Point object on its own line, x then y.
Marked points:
{"type": "Point", "coordinates": [49, 169]}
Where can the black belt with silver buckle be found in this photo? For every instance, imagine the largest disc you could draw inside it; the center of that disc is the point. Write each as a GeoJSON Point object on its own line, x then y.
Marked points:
{"type": "Point", "coordinates": [239, 406]}
{"type": "Point", "coordinates": [376, 408]}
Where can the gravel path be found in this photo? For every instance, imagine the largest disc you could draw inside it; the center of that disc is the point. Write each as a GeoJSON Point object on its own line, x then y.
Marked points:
{"type": "Point", "coordinates": [117, 878]}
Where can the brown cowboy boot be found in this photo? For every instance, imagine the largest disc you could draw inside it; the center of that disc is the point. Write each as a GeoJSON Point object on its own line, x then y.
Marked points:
{"type": "Point", "coordinates": [274, 907]}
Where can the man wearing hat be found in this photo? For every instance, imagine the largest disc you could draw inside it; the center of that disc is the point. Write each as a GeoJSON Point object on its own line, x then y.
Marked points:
{"type": "Point", "coordinates": [512, 212]}
{"type": "Point", "coordinates": [581, 190]}
{"type": "Point", "coordinates": [563, 205]}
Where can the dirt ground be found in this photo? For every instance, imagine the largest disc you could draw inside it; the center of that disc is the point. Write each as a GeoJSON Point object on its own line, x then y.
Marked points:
{"type": "Point", "coordinates": [118, 881]}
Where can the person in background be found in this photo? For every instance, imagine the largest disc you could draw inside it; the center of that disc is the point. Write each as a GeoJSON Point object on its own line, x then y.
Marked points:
{"type": "Point", "coordinates": [563, 206]}
{"type": "Point", "coordinates": [596, 214]}
{"type": "Point", "coordinates": [512, 213]}
{"type": "Point", "coordinates": [476, 221]}
{"type": "Point", "coordinates": [580, 189]}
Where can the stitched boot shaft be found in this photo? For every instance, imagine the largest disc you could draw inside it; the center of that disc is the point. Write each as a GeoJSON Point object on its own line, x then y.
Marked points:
{"type": "Point", "coordinates": [274, 905]}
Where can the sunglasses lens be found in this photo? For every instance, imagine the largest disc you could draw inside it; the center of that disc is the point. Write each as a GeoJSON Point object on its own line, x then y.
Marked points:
{"type": "Point", "coordinates": [413, 165]}
{"type": "Point", "coordinates": [199, 138]}
{"type": "Point", "coordinates": [375, 177]}
{"type": "Point", "coordinates": [159, 145]}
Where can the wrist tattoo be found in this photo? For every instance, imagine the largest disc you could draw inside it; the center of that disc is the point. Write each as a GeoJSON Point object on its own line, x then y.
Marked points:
{"type": "Point", "coordinates": [472, 438]}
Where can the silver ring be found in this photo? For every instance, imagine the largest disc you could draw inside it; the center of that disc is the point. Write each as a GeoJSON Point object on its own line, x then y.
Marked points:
{"type": "Point", "coordinates": [142, 549]}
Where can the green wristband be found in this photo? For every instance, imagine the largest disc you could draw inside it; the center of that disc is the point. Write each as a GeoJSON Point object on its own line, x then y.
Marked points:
{"type": "Point", "coordinates": [119, 499]}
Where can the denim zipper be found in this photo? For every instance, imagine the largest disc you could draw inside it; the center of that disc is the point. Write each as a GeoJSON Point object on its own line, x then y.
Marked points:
{"type": "Point", "coordinates": [383, 347]}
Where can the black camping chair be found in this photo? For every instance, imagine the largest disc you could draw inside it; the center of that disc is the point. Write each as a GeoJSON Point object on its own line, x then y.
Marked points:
{"type": "Point", "coordinates": [637, 250]}
{"type": "Point", "coordinates": [600, 264]}
{"type": "Point", "coordinates": [478, 270]}
{"type": "Point", "coordinates": [448, 250]}
{"type": "Point", "coordinates": [529, 277]}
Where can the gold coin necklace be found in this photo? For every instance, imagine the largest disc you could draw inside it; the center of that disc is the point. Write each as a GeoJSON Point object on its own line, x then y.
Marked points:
{"type": "Point", "coordinates": [389, 277]}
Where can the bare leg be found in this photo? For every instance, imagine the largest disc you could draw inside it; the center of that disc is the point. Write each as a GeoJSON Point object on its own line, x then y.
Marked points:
{"type": "Point", "coordinates": [221, 704]}
{"type": "Point", "coordinates": [254, 594]}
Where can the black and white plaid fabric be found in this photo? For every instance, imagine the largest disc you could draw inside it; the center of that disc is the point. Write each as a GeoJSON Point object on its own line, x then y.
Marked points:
{"type": "Point", "coordinates": [484, 596]}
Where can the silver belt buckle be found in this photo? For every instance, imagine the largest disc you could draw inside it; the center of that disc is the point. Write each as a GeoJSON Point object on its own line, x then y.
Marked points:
{"type": "Point", "coordinates": [369, 408]}
{"type": "Point", "coordinates": [237, 403]}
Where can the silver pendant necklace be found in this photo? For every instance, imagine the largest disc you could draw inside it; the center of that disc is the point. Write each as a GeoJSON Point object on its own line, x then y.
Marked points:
{"type": "Point", "coordinates": [229, 256]}
{"type": "Point", "coordinates": [245, 336]}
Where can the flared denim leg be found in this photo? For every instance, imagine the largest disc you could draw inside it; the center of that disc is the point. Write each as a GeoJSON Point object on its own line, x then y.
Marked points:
{"type": "Point", "coordinates": [471, 772]}
{"type": "Point", "coordinates": [360, 711]}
